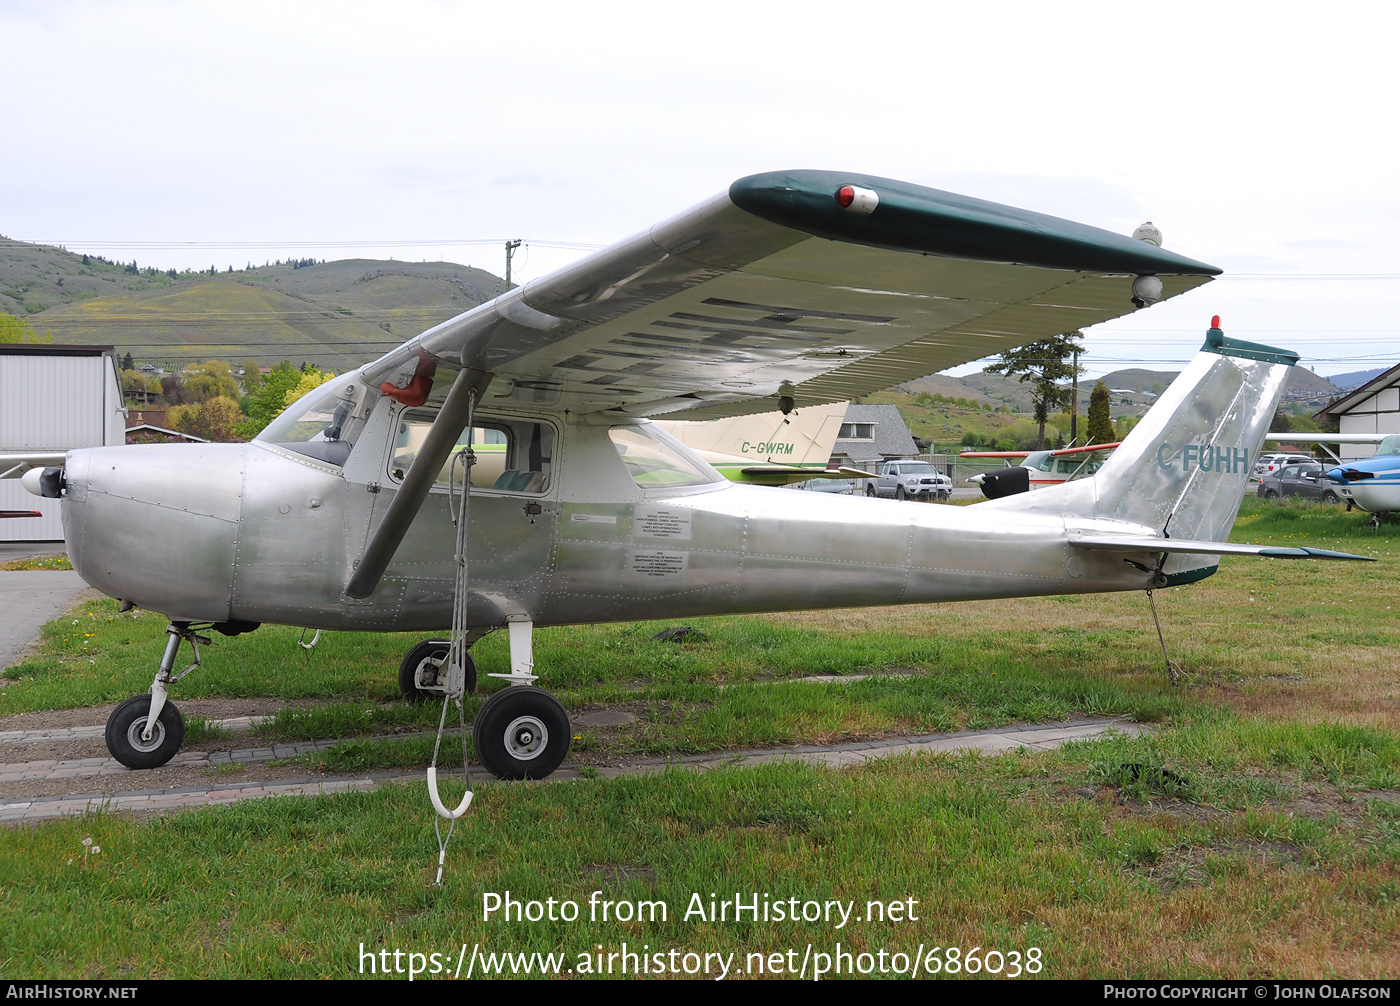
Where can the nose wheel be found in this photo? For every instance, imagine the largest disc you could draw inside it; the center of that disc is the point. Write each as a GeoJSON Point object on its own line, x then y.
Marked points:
{"type": "Point", "coordinates": [521, 732]}
{"type": "Point", "coordinates": [126, 729]}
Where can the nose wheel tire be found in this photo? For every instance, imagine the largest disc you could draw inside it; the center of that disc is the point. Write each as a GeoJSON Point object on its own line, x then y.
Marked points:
{"type": "Point", "coordinates": [521, 732]}
{"type": "Point", "coordinates": [431, 657]}
{"type": "Point", "coordinates": [128, 722]}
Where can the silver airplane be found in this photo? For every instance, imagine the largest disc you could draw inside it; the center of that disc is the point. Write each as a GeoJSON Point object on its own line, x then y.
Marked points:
{"type": "Point", "coordinates": [500, 469]}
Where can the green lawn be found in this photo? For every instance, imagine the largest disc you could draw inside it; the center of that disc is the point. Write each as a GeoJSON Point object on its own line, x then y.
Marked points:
{"type": "Point", "coordinates": [1255, 832]}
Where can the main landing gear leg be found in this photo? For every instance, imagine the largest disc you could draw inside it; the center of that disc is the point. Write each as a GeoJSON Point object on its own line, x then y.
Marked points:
{"type": "Point", "coordinates": [521, 732]}
{"type": "Point", "coordinates": [145, 731]}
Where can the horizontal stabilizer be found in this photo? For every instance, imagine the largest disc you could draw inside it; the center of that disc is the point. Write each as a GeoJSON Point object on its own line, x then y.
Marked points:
{"type": "Point", "coordinates": [1147, 543]}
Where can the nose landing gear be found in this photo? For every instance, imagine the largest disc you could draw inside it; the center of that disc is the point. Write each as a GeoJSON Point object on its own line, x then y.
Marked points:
{"type": "Point", "coordinates": [145, 731]}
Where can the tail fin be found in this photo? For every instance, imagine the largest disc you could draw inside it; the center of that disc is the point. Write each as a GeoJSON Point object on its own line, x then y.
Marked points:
{"type": "Point", "coordinates": [1184, 469]}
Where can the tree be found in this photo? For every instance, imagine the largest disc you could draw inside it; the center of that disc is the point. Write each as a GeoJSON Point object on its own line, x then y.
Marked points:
{"type": "Point", "coordinates": [15, 330]}
{"type": "Point", "coordinates": [172, 387]}
{"type": "Point", "coordinates": [211, 379]}
{"type": "Point", "coordinates": [1044, 364]}
{"type": "Point", "coordinates": [1100, 429]}
{"type": "Point", "coordinates": [213, 419]}
{"type": "Point", "coordinates": [128, 363]}
{"type": "Point", "coordinates": [252, 376]}
{"type": "Point", "coordinates": [279, 389]}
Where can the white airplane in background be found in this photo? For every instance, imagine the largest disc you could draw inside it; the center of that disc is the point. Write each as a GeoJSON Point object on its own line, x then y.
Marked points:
{"type": "Point", "coordinates": [769, 449]}
{"type": "Point", "coordinates": [1042, 468]}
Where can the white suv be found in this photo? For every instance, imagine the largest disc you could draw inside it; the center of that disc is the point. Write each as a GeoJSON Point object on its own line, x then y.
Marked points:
{"type": "Point", "coordinates": [1269, 463]}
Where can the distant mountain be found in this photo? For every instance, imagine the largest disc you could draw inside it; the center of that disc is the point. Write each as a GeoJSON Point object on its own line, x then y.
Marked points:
{"type": "Point", "coordinates": [335, 315]}
{"type": "Point", "coordinates": [1356, 378]}
{"type": "Point", "coordinates": [1157, 381]}
{"type": "Point", "coordinates": [1012, 392]}
{"type": "Point", "coordinates": [990, 388]}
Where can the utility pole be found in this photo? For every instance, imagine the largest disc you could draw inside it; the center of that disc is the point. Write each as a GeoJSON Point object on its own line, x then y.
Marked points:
{"type": "Point", "coordinates": [1074, 413]}
{"type": "Point", "coordinates": [510, 251]}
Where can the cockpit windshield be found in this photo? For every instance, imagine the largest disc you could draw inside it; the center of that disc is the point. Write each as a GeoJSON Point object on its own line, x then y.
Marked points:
{"type": "Point", "coordinates": [322, 424]}
{"type": "Point", "coordinates": [1390, 445]}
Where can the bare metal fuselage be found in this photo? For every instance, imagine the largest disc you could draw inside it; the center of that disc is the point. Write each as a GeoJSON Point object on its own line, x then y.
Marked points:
{"type": "Point", "coordinates": [254, 533]}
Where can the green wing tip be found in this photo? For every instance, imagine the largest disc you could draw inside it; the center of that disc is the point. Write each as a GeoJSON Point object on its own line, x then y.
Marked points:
{"type": "Point", "coordinates": [1322, 553]}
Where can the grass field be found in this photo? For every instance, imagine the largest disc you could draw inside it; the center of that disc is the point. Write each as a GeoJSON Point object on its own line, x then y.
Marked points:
{"type": "Point", "coordinates": [1254, 832]}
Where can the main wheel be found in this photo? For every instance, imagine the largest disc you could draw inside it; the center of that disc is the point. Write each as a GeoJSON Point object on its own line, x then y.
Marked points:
{"type": "Point", "coordinates": [434, 650]}
{"type": "Point", "coordinates": [128, 722]}
{"type": "Point", "coordinates": [870, 490]}
{"type": "Point", "coordinates": [521, 732]}
{"type": "Point", "coordinates": [1330, 497]}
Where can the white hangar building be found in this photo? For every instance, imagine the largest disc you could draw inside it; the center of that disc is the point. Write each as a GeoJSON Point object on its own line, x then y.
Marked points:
{"type": "Point", "coordinates": [1372, 408]}
{"type": "Point", "coordinates": [54, 398]}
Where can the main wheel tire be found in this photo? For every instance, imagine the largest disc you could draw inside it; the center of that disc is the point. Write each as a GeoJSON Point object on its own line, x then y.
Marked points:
{"type": "Point", "coordinates": [435, 650]}
{"type": "Point", "coordinates": [870, 491]}
{"type": "Point", "coordinates": [521, 732]}
{"type": "Point", "coordinates": [1330, 497]}
{"type": "Point", "coordinates": [899, 493]}
{"type": "Point", "coordinates": [128, 722]}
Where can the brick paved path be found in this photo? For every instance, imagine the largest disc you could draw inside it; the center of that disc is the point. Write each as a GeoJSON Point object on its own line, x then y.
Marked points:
{"type": "Point", "coordinates": [1043, 737]}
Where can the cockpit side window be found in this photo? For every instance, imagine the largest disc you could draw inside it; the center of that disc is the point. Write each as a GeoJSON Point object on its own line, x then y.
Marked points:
{"type": "Point", "coordinates": [515, 456]}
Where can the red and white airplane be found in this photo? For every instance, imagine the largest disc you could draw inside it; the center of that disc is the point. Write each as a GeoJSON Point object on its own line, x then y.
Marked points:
{"type": "Point", "coordinates": [1042, 468]}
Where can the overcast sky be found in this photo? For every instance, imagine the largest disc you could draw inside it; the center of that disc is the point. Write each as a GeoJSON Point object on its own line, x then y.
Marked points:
{"type": "Point", "coordinates": [1260, 138]}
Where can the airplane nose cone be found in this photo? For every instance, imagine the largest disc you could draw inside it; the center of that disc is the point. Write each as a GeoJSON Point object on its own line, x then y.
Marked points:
{"type": "Point", "coordinates": [46, 483]}
{"type": "Point", "coordinates": [157, 524]}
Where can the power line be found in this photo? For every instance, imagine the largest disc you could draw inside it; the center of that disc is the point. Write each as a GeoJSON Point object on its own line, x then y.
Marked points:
{"type": "Point", "coordinates": [167, 245]}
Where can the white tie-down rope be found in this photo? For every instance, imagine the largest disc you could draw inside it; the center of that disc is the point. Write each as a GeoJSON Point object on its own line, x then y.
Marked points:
{"type": "Point", "coordinates": [457, 653]}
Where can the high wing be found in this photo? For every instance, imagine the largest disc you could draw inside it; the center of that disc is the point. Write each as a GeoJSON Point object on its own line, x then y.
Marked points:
{"type": "Point", "coordinates": [812, 286]}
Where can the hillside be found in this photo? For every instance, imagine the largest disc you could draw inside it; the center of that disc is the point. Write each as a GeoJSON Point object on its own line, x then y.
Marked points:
{"type": "Point", "coordinates": [1356, 378]}
{"type": "Point", "coordinates": [993, 389]}
{"type": "Point", "coordinates": [335, 315]}
{"type": "Point", "coordinates": [1300, 379]}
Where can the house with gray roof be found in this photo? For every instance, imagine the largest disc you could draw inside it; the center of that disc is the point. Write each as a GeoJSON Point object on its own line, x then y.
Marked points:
{"type": "Point", "coordinates": [871, 434]}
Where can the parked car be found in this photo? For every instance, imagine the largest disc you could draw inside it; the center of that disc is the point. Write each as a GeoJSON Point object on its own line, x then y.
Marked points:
{"type": "Point", "coordinates": [1305, 480]}
{"type": "Point", "coordinates": [915, 480]}
{"type": "Point", "coordinates": [1268, 463]}
{"type": "Point", "coordinates": [843, 486]}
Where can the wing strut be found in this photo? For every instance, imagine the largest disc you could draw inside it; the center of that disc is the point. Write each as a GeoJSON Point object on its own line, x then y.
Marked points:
{"type": "Point", "coordinates": [437, 448]}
